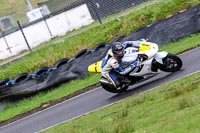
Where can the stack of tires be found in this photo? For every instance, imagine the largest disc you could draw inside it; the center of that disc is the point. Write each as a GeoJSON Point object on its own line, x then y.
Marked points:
{"type": "Point", "coordinates": [46, 77]}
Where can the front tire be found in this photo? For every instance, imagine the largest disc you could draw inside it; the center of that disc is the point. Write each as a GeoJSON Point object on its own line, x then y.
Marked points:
{"type": "Point", "coordinates": [171, 63]}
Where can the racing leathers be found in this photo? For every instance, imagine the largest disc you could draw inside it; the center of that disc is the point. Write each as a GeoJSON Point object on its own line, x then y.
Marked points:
{"type": "Point", "coordinates": [111, 69]}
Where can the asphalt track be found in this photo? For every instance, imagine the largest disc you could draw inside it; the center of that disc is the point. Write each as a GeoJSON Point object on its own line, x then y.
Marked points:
{"type": "Point", "coordinates": [97, 98]}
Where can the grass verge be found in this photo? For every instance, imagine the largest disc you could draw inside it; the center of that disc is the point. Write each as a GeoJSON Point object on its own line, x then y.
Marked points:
{"type": "Point", "coordinates": [170, 108]}
{"type": "Point", "coordinates": [105, 32]}
{"type": "Point", "coordinates": [43, 98]}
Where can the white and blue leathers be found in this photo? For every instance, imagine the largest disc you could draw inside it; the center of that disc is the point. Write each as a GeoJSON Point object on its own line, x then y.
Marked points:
{"type": "Point", "coordinates": [110, 67]}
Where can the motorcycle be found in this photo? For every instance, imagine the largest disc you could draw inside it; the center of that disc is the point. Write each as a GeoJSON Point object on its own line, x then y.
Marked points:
{"type": "Point", "coordinates": [148, 67]}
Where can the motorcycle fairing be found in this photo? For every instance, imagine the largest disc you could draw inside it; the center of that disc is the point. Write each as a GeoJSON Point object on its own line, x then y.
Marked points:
{"type": "Point", "coordinates": [145, 69]}
{"type": "Point", "coordinates": [95, 67]}
{"type": "Point", "coordinates": [159, 56]}
{"type": "Point", "coordinates": [130, 52]}
{"type": "Point", "coordinates": [144, 46]}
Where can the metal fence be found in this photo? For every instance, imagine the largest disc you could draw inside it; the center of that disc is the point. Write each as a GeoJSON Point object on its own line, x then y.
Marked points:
{"type": "Point", "coordinates": [19, 18]}
{"type": "Point", "coordinates": [98, 8]}
{"type": "Point", "coordinates": [30, 14]}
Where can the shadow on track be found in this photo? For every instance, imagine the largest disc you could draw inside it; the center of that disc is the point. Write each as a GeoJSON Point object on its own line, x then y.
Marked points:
{"type": "Point", "coordinates": [146, 85]}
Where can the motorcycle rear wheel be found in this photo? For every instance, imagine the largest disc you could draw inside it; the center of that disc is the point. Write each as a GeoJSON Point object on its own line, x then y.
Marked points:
{"type": "Point", "coordinates": [171, 63]}
{"type": "Point", "coordinates": [113, 89]}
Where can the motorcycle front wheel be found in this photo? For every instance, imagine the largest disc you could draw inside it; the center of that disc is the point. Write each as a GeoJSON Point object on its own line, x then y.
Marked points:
{"type": "Point", "coordinates": [171, 63]}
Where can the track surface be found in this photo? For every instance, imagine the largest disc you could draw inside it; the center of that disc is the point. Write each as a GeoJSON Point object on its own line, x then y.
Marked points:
{"type": "Point", "coordinates": [97, 98]}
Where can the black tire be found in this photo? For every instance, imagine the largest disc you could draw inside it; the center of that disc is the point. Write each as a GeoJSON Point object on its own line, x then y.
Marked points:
{"type": "Point", "coordinates": [3, 82]}
{"type": "Point", "coordinates": [81, 53]}
{"type": "Point", "coordinates": [139, 29]}
{"type": "Point", "coordinates": [21, 78]}
{"type": "Point", "coordinates": [61, 62]}
{"type": "Point", "coordinates": [118, 39]}
{"type": "Point", "coordinates": [112, 89]}
{"type": "Point", "coordinates": [101, 45]}
{"type": "Point", "coordinates": [41, 71]}
{"type": "Point", "coordinates": [171, 63]}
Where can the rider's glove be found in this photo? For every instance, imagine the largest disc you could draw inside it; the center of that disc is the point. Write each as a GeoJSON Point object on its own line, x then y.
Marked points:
{"type": "Point", "coordinates": [127, 44]}
{"type": "Point", "coordinates": [135, 64]}
{"type": "Point", "coordinates": [124, 45]}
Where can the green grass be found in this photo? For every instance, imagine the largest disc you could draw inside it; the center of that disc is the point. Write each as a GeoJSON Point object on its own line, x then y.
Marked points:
{"type": "Point", "coordinates": [117, 15]}
{"type": "Point", "coordinates": [182, 45]}
{"type": "Point", "coordinates": [25, 105]}
{"type": "Point", "coordinates": [106, 32]}
{"type": "Point", "coordinates": [42, 98]}
{"type": "Point", "coordinates": [9, 6]}
{"type": "Point", "coordinates": [17, 8]}
{"type": "Point", "coordinates": [171, 108]}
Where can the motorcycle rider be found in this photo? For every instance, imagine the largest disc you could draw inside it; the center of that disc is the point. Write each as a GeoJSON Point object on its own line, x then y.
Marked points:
{"type": "Point", "coordinates": [111, 68]}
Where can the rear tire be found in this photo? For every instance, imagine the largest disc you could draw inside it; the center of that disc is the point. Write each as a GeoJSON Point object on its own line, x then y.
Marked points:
{"type": "Point", "coordinates": [113, 89]}
{"type": "Point", "coordinates": [171, 63]}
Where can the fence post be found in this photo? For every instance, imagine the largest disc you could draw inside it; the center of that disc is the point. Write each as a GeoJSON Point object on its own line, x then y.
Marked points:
{"type": "Point", "coordinates": [24, 36]}
{"type": "Point", "coordinates": [46, 24]}
{"type": "Point", "coordinates": [5, 40]}
{"type": "Point", "coordinates": [96, 12]}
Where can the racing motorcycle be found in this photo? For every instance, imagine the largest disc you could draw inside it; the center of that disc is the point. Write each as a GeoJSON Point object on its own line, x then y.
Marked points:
{"type": "Point", "coordinates": [148, 67]}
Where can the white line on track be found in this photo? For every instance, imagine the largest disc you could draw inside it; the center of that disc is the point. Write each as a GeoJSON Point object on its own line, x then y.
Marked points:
{"type": "Point", "coordinates": [111, 104]}
{"type": "Point", "coordinates": [77, 97]}
{"type": "Point", "coordinates": [48, 108]}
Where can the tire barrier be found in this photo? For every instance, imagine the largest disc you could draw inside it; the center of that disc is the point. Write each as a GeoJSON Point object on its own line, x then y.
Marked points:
{"type": "Point", "coordinates": [100, 45]}
{"type": "Point", "coordinates": [43, 78]}
{"type": "Point", "coordinates": [80, 65]}
{"type": "Point", "coordinates": [21, 78]}
{"type": "Point", "coordinates": [61, 62]}
{"type": "Point", "coordinates": [42, 73]}
{"type": "Point", "coordinates": [170, 29]}
{"type": "Point", "coordinates": [81, 53]}
{"type": "Point", "coordinates": [64, 70]}
{"type": "Point", "coordinates": [4, 82]}
{"type": "Point", "coordinates": [119, 39]}
{"type": "Point", "coordinates": [18, 86]}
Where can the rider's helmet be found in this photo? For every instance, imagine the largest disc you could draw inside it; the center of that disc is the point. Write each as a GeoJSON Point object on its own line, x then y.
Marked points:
{"type": "Point", "coordinates": [117, 49]}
